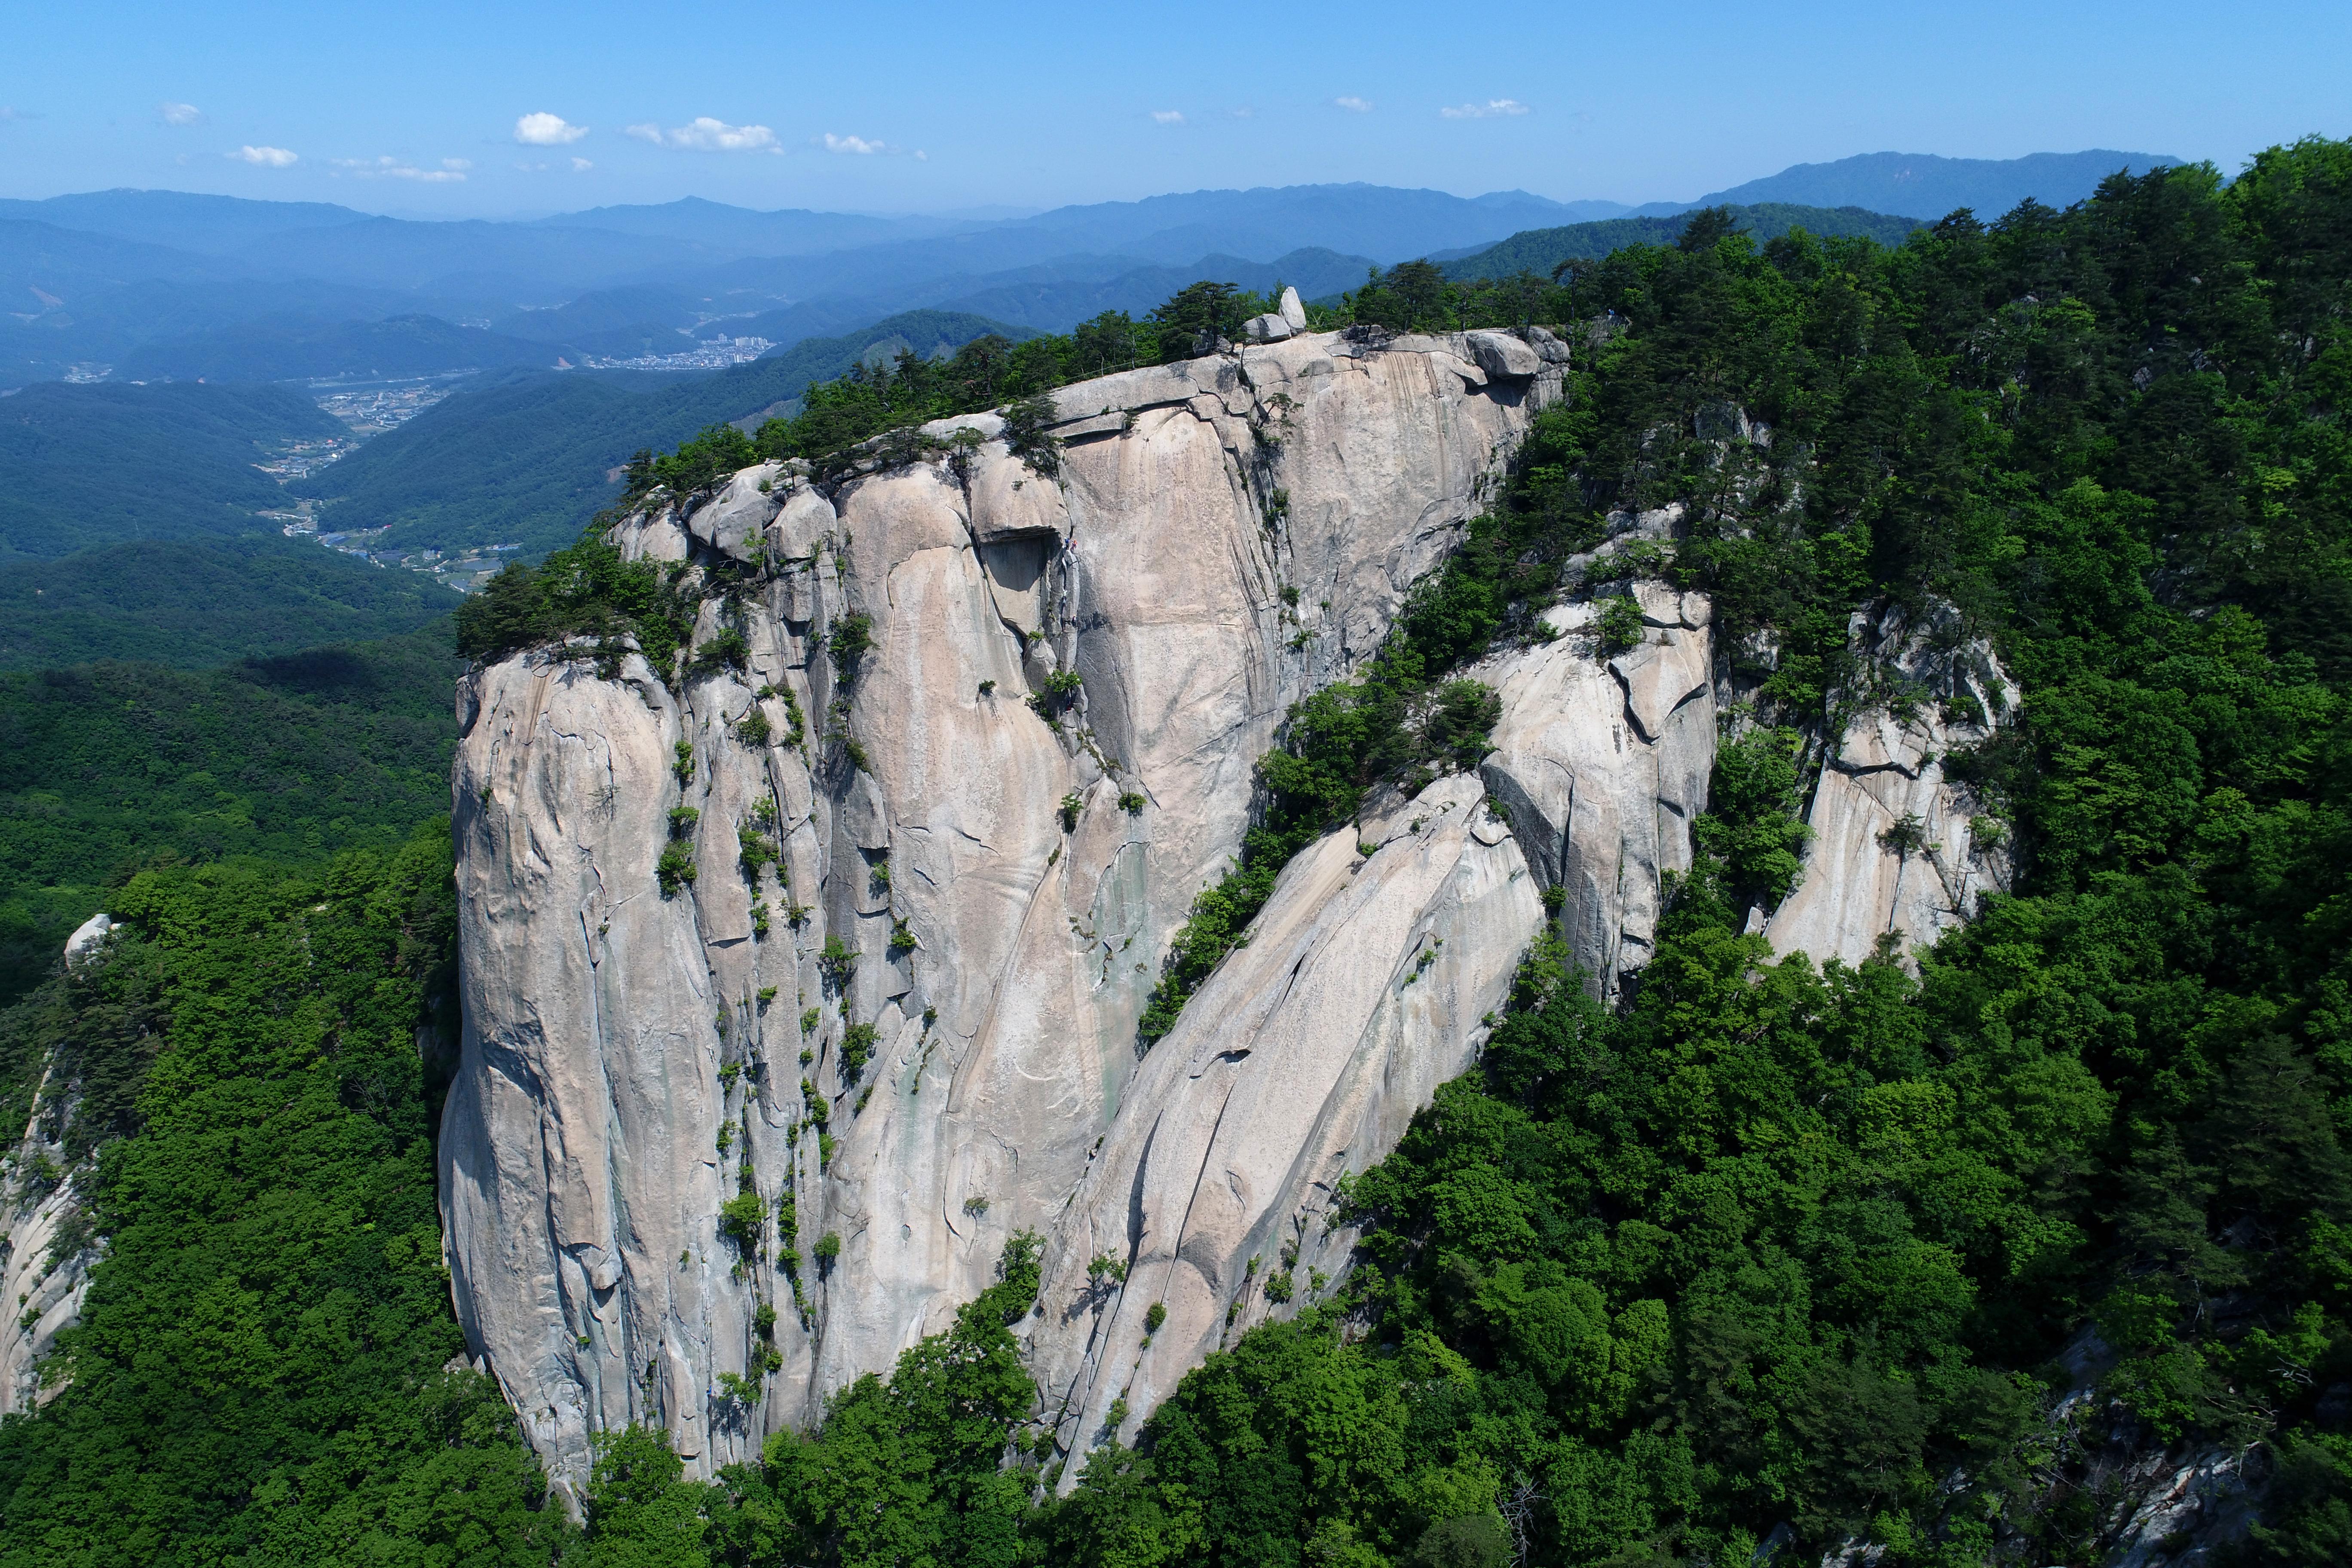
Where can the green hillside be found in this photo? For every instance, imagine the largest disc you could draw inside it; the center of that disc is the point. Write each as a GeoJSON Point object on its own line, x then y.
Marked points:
{"type": "Point", "coordinates": [96, 464]}
{"type": "Point", "coordinates": [106, 767]}
{"type": "Point", "coordinates": [194, 604]}
{"type": "Point", "coordinates": [303, 349]}
{"type": "Point", "coordinates": [524, 459]}
{"type": "Point", "coordinates": [1538, 250]}
{"type": "Point", "coordinates": [248, 1083]}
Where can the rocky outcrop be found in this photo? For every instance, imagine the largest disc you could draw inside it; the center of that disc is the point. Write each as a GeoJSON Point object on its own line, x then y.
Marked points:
{"type": "Point", "coordinates": [850, 923]}
{"type": "Point", "coordinates": [46, 1249]}
{"type": "Point", "coordinates": [1601, 762]}
{"type": "Point", "coordinates": [1900, 851]}
{"type": "Point", "coordinates": [918, 902]}
{"type": "Point", "coordinates": [1302, 1059]}
{"type": "Point", "coordinates": [1369, 980]}
{"type": "Point", "coordinates": [43, 1285]}
{"type": "Point", "coordinates": [89, 938]}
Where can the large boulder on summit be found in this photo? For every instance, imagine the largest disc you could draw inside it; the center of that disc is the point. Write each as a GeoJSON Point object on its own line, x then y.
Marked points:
{"type": "Point", "coordinates": [1501, 355]}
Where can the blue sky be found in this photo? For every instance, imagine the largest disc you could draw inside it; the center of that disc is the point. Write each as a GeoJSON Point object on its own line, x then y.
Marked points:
{"type": "Point", "coordinates": [417, 106]}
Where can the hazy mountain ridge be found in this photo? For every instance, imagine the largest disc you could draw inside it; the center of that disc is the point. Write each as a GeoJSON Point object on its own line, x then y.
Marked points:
{"type": "Point", "coordinates": [1539, 250]}
{"type": "Point", "coordinates": [524, 459]}
{"type": "Point", "coordinates": [306, 348]}
{"type": "Point", "coordinates": [1924, 185]}
{"type": "Point", "coordinates": [80, 272]}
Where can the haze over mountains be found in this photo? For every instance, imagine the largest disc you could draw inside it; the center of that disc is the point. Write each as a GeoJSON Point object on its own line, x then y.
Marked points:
{"type": "Point", "coordinates": [169, 285]}
{"type": "Point", "coordinates": [573, 340]}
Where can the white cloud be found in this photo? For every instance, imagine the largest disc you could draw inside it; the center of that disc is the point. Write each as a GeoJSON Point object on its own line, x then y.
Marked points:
{"type": "Point", "coordinates": [1353, 104]}
{"type": "Point", "coordinates": [544, 129]}
{"type": "Point", "coordinates": [179, 113]}
{"type": "Point", "coordinates": [1168, 116]}
{"type": "Point", "coordinates": [868, 147]}
{"type": "Point", "coordinates": [581, 166]}
{"type": "Point", "coordinates": [450, 173]}
{"type": "Point", "coordinates": [708, 135]}
{"type": "Point", "coordinates": [1493, 109]}
{"type": "Point", "coordinates": [1244, 114]}
{"type": "Point", "coordinates": [267, 157]}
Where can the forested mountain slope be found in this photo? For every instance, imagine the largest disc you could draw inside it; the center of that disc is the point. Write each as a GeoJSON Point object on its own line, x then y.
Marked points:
{"type": "Point", "coordinates": [2028, 1248]}
{"type": "Point", "coordinates": [176, 461]}
{"type": "Point", "coordinates": [1538, 250]}
{"type": "Point", "coordinates": [243, 1087]}
{"type": "Point", "coordinates": [195, 603]}
{"type": "Point", "coordinates": [1775, 1247]}
{"type": "Point", "coordinates": [286, 760]}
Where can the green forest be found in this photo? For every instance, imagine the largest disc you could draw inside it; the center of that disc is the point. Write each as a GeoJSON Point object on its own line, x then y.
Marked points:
{"type": "Point", "coordinates": [1773, 1258]}
{"type": "Point", "coordinates": [194, 604]}
{"type": "Point", "coordinates": [285, 760]}
{"type": "Point", "coordinates": [93, 465]}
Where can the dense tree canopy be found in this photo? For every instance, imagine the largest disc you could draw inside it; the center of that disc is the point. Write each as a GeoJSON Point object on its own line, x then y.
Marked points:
{"type": "Point", "coordinates": [106, 768]}
{"type": "Point", "coordinates": [257, 1373]}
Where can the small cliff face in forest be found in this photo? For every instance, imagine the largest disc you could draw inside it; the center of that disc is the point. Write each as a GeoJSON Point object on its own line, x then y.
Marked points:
{"type": "Point", "coordinates": [797, 981]}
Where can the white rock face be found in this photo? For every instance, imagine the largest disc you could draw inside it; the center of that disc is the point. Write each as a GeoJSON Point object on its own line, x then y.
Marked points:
{"type": "Point", "coordinates": [947, 860]}
{"type": "Point", "coordinates": [1365, 986]}
{"type": "Point", "coordinates": [1303, 1057]}
{"type": "Point", "coordinates": [39, 1201]}
{"type": "Point", "coordinates": [1601, 761]}
{"type": "Point", "coordinates": [631, 1060]}
{"type": "Point", "coordinates": [1897, 849]}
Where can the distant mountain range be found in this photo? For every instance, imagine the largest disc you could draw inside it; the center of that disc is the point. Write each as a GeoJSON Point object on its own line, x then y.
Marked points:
{"type": "Point", "coordinates": [1922, 186]}
{"type": "Point", "coordinates": [306, 348]}
{"type": "Point", "coordinates": [152, 284]}
{"type": "Point", "coordinates": [1538, 250]}
{"type": "Point", "coordinates": [206, 299]}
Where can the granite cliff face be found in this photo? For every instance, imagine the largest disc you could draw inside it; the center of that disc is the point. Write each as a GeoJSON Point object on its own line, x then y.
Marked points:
{"type": "Point", "coordinates": [876, 957]}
